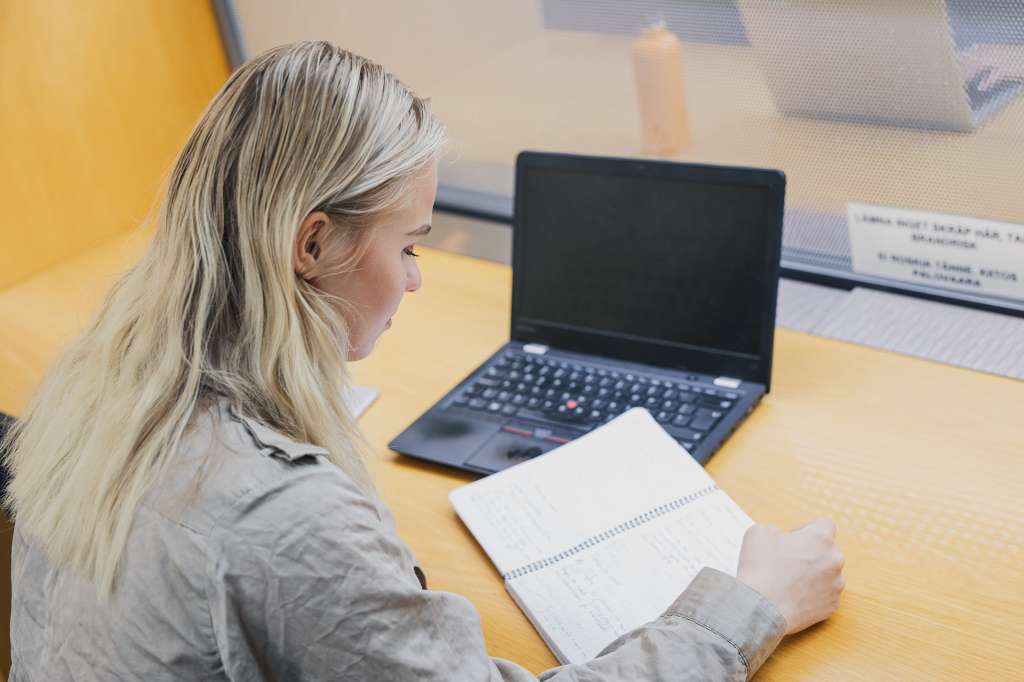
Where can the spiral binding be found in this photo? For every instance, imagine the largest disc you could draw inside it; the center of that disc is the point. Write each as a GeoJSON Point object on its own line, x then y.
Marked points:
{"type": "Point", "coordinates": [593, 540]}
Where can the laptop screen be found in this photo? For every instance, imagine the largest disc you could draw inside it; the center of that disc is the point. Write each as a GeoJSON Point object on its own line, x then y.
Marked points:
{"type": "Point", "coordinates": [656, 262]}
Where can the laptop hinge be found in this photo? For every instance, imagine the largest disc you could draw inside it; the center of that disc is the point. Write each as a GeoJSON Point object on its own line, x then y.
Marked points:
{"type": "Point", "coordinates": [535, 348]}
{"type": "Point", "coordinates": [727, 382]}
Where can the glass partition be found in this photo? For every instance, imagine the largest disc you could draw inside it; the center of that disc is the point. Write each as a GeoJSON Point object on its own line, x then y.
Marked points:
{"type": "Point", "coordinates": [870, 108]}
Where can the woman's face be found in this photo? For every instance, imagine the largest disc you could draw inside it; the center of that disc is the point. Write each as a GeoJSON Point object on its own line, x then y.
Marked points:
{"type": "Point", "coordinates": [384, 273]}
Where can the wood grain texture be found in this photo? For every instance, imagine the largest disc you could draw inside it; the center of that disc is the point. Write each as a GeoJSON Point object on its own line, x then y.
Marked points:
{"type": "Point", "coordinates": [97, 97]}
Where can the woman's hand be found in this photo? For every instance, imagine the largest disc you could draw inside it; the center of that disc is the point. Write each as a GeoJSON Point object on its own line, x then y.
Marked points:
{"type": "Point", "coordinates": [800, 572]}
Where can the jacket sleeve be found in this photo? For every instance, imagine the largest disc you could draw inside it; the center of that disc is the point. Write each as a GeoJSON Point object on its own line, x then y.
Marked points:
{"type": "Point", "coordinates": [304, 582]}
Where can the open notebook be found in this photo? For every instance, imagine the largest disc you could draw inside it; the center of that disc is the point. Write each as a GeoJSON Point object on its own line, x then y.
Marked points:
{"type": "Point", "coordinates": [601, 535]}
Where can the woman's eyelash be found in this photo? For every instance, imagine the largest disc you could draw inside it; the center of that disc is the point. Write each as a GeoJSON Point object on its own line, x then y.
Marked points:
{"type": "Point", "coordinates": [408, 251]}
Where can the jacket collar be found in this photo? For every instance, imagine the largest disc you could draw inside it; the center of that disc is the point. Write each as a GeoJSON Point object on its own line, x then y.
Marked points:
{"type": "Point", "coordinates": [278, 444]}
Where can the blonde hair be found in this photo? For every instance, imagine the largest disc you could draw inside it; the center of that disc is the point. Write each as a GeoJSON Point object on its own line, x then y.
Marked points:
{"type": "Point", "coordinates": [214, 307]}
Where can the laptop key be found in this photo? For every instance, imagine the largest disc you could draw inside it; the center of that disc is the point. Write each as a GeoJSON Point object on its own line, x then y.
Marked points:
{"type": "Point", "coordinates": [684, 433]}
{"type": "Point", "coordinates": [553, 417]}
{"type": "Point", "coordinates": [702, 423]}
{"type": "Point", "coordinates": [477, 404]}
{"type": "Point", "coordinates": [544, 415]}
{"type": "Point", "coordinates": [681, 421]}
{"type": "Point", "coordinates": [714, 414]}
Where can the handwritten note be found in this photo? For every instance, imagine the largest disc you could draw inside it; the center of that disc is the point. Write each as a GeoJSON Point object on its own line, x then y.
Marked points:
{"type": "Point", "coordinates": [600, 536]}
{"type": "Point", "coordinates": [583, 604]}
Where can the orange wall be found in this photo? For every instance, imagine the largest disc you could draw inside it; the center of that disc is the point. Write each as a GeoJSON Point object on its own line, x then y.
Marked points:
{"type": "Point", "coordinates": [96, 97]}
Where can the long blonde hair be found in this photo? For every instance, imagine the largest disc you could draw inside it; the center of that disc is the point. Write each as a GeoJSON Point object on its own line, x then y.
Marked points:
{"type": "Point", "coordinates": [214, 307]}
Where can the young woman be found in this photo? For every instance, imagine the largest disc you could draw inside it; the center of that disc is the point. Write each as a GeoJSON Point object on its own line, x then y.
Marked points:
{"type": "Point", "coordinates": [190, 497]}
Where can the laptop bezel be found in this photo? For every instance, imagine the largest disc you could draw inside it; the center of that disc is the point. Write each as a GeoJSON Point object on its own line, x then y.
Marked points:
{"type": "Point", "coordinates": [756, 369]}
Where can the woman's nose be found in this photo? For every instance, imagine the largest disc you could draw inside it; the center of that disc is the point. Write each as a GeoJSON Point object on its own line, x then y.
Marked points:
{"type": "Point", "coordinates": [414, 280]}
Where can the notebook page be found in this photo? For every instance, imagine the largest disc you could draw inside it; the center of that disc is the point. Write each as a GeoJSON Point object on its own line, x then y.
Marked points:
{"type": "Point", "coordinates": [544, 506]}
{"type": "Point", "coordinates": [583, 602]}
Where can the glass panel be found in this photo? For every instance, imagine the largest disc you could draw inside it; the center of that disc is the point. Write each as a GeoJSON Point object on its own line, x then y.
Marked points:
{"type": "Point", "coordinates": [907, 105]}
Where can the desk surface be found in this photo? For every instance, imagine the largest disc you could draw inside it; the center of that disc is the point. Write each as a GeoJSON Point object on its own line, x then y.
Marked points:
{"type": "Point", "coordinates": [917, 462]}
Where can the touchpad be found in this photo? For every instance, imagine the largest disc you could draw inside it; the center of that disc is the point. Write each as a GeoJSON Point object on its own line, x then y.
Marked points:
{"type": "Point", "coordinates": [505, 449]}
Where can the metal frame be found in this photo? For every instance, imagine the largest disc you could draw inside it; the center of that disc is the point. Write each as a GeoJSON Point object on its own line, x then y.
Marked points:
{"type": "Point", "coordinates": [231, 35]}
{"type": "Point", "coordinates": [497, 208]}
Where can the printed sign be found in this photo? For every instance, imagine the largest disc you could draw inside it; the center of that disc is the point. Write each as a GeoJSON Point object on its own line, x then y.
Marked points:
{"type": "Point", "coordinates": [939, 250]}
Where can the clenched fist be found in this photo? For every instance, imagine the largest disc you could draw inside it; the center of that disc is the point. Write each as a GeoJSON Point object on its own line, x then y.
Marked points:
{"type": "Point", "coordinates": [801, 572]}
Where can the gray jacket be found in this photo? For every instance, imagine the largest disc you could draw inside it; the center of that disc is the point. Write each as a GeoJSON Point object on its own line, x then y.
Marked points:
{"type": "Point", "coordinates": [279, 568]}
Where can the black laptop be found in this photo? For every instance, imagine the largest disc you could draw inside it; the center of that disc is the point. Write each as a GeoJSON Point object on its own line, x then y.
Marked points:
{"type": "Point", "coordinates": [635, 283]}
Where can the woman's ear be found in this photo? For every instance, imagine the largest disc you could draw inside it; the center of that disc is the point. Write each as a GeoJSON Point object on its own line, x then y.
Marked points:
{"type": "Point", "coordinates": [308, 242]}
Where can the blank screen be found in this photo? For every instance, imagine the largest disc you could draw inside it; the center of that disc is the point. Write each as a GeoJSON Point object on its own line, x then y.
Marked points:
{"type": "Point", "coordinates": [662, 259]}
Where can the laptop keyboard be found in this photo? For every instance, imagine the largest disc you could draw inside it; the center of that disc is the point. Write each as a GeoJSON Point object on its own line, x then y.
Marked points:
{"type": "Point", "coordinates": [581, 397]}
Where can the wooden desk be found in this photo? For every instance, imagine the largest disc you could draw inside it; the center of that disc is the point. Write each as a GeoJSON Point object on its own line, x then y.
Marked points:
{"type": "Point", "coordinates": [918, 463]}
